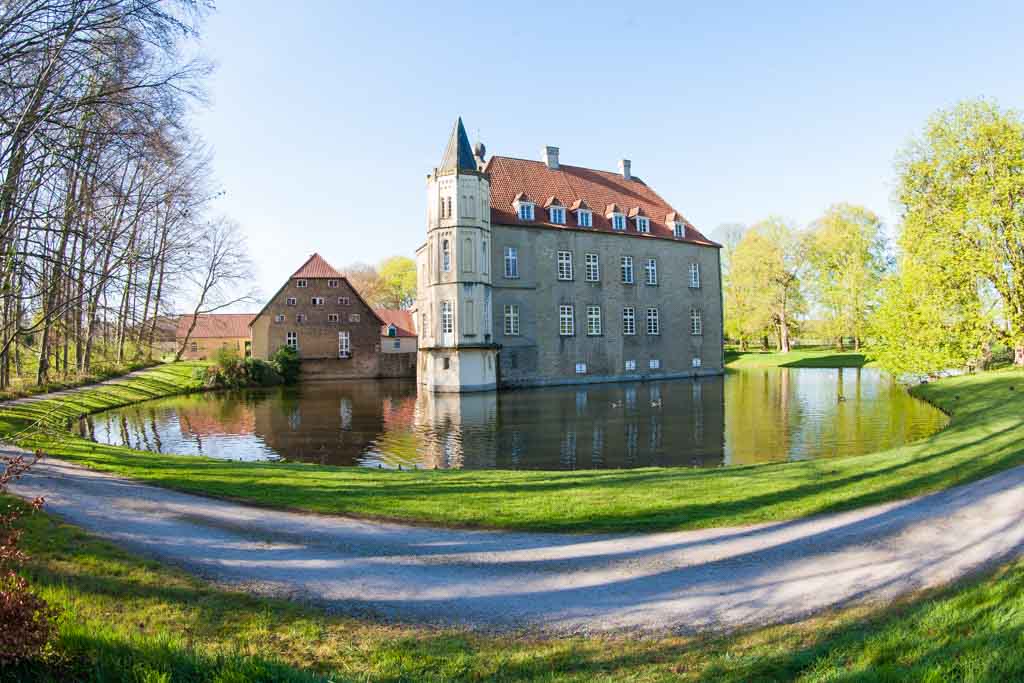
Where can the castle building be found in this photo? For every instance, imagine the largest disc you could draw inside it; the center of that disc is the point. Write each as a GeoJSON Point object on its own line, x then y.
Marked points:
{"type": "Point", "coordinates": [538, 273]}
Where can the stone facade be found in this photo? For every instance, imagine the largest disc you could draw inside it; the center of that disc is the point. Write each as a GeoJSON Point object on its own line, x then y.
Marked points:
{"type": "Point", "coordinates": [204, 348]}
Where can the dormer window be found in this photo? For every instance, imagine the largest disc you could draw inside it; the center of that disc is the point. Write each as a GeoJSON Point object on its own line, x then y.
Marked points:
{"type": "Point", "coordinates": [618, 221]}
{"type": "Point", "coordinates": [523, 206]}
{"type": "Point", "coordinates": [556, 214]}
{"type": "Point", "coordinates": [392, 331]}
{"type": "Point", "coordinates": [585, 219]}
{"type": "Point", "coordinates": [677, 230]}
{"type": "Point", "coordinates": [643, 224]}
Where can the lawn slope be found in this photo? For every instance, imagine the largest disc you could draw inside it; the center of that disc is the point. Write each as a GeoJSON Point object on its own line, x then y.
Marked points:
{"type": "Point", "coordinates": [984, 436]}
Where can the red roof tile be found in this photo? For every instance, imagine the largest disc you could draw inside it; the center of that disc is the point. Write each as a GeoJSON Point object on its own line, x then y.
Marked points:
{"type": "Point", "coordinates": [511, 178]}
{"type": "Point", "coordinates": [314, 267]}
{"type": "Point", "coordinates": [216, 325]}
{"type": "Point", "coordinates": [400, 319]}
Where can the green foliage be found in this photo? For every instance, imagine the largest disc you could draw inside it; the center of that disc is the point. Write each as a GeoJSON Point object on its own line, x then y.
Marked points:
{"type": "Point", "coordinates": [230, 371]}
{"type": "Point", "coordinates": [287, 363]}
{"type": "Point", "coordinates": [397, 282]}
{"type": "Point", "coordinates": [960, 285]}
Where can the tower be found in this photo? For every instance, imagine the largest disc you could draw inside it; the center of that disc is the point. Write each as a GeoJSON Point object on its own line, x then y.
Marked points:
{"type": "Point", "coordinates": [457, 352]}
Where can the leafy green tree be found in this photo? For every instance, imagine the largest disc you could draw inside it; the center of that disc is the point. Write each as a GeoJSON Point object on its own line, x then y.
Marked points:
{"type": "Point", "coordinates": [846, 255]}
{"type": "Point", "coordinates": [398, 282]}
{"type": "Point", "coordinates": [961, 279]}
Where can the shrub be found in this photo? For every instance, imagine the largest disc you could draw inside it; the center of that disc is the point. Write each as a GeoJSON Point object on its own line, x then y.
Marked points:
{"type": "Point", "coordinates": [286, 361]}
{"type": "Point", "coordinates": [27, 620]}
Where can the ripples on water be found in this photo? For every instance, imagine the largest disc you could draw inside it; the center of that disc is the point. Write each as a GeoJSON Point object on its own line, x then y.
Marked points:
{"type": "Point", "coordinates": [745, 417]}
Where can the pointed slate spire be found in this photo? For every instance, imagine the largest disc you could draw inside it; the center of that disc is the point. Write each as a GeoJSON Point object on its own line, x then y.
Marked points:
{"type": "Point", "coordinates": [458, 155]}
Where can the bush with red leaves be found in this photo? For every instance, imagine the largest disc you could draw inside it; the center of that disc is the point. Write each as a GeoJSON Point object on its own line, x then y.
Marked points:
{"type": "Point", "coordinates": [26, 618]}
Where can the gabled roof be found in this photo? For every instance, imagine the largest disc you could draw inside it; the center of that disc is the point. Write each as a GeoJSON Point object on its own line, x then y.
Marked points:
{"type": "Point", "coordinates": [316, 267]}
{"type": "Point", "coordinates": [636, 211]}
{"type": "Point", "coordinates": [552, 201]}
{"type": "Point", "coordinates": [216, 325]}
{"type": "Point", "coordinates": [458, 155]}
{"type": "Point", "coordinates": [580, 205]}
{"type": "Point", "coordinates": [402, 320]}
{"type": "Point", "coordinates": [520, 197]}
{"type": "Point", "coordinates": [579, 187]}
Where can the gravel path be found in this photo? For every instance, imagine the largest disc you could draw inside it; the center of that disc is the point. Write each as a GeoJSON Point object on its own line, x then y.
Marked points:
{"type": "Point", "coordinates": [680, 581]}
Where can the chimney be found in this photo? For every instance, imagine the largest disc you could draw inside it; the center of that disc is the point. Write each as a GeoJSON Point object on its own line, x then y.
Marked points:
{"type": "Point", "coordinates": [550, 156]}
{"type": "Point", "coordinates": [624, 169]}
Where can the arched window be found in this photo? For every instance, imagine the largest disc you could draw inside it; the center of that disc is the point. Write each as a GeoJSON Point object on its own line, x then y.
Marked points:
{"type": "Point", "coordinates": [446, 256]}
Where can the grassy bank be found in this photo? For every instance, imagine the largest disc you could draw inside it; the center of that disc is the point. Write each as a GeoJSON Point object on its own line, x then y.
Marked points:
{"type": "Point", "coordinates": [984, 436]}
{"type": "Point", "coordinates": [23, 388]}
{"type": "Point", "coordinates": [801, 358]}
{"type": "Point", "coordinates": [128, 619]}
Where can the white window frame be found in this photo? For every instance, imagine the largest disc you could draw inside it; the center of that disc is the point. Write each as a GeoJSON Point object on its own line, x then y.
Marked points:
{"type": "Point", "coordinates": [651, 271]}
{"type": "Point", "coordinates": [344, 301]}
{"type": "Point", "coordinates": [581, 368]}
{"type": "Point", "coordinates": [511, 263]}
{"type": "Point", "coordinates": [593, 321]}
{"type": "Point", "coordinates": [301, 284]}
{"type": "Point", "coordinates": [333, 318]}
{"type": "Point", "coordinates": [654, 364]}
{"type": "Point", "coordinates": [279, 318]}
{"type": "Point", "coordinates": [446, 256]}
{"type": "Point", "coordinates": [696, 322]}
{"type": "Point", "coordinates": [511, 312]}
{"type": "Point", "coordinates": [628, 277]}
{"type": "Point", "coordinates": [565, 266]}
{"type": "Point", "coordinates": [292, 301]}
{"type": "Point", "coordinates": [354, 317]}
{"type": "Point", "coordinates": [694, 276]}
{"type": "Point", "coordinates": [619, 222]}
{"type": "Point", "coordinates": [643, 224]}
{"type": "Point", "coordinates": [584, 218]}
{"type": "Point", "coordinates": [592, 267]}
{"type": "Point", "coordinates": [556, 214]}
{"type": "Point", "coordinates": [525, 211]}
{"type": "Point", "coordinates": [291, 340]}
{"type": "Point", "coordinates": [566, 320]}
{"type": "Point", "coordinates": [629, 321]}
{"type": "Point", "coordinates": [630, 365]}
{"type": "Point", "coordinates": [447, 318]}
{"type": "Point", "coordinates": [332, 284]}
{"type": "Point", "coordinates": [653, 322]}
{"type": "Point", "coordinates": [316, 301]}
{"type": "Point", "coordinates": [678, 230]}
{"type": "Point", "coordinates": [300, 318]}
{"type": "Point", "coordinates": [344, 344]}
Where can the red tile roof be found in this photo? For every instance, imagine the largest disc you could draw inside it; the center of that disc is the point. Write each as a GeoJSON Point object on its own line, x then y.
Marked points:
{"type": "Point", "coordinates": [314, 267]}
{"type": "Point", "coordinates": [400, 319]}
{"type": "Point", "coordinates": [512, 178]}
{"type": "Point", "coordinates": [216, 325]}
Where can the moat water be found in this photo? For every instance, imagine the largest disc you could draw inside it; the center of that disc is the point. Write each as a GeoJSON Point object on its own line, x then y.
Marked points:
{"type": "Point", "coordinates": [749, 416]}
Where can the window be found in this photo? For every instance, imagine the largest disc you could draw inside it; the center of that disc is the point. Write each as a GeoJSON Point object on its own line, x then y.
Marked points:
{"type": "Point", "coordinates": [279, 318]}
{"type": "Point", "coordinates": [696, 362]}
{"type": "Point", "coordinates": [584, 219]}
{"type": "Point", "coordinates": [593, 321]}
{"type": "Point", "coordinates": [392, 331]}
{"type": "Point", "coordinates": [526, 211]}
{"type": "Point", "coordinates": [556, 215]}
{"type": "Point", "coordinates": [447, 319]}
{"type": "Point", "coordinates": [593, 268]}
{"type": "Point", "coordinates": [291, 340]}
{"type": "Point", "coordinates": [511, 262]}
{"type": "Point", "coordinates": [300, 318]}
{"type": "Point", "coordinates": [696, 324]}
{"type": "Point", "coordinates": [353, 317]}
{"type": "Point", "coordinates": [292, 301]}
{"type": "Point", "coordinates": [333, 284]}
{"type": "Point", "coordinates": [301, 284]}
{"type": "Point", "coordinates": [397, 344]}
{"type": "Point", "coordinates": [654, 364]}
{"type": "Point", "coordinates": [344, 344]}
{"type": "Point", "coordinates": [618, 221]}
{"type": "Point", "coordinates": [565, 265]}
{"type": "Point", "coordinates": [627, 270]}
{"type": "Point", "coordinates": [694, 275]}
{"type": "Point", "coordinates": [631, 365]}
{"type": "Point", "coordinates": [651, 268]}
{"type": "Point", "coordinates": [677, 229]}
{"type": "Point", "coordinates": [332, 317]}
{"type": "Point", "coordinates": [446, 256]}
{"type": "Point", "coordinates": [316, 301]}
{"type": "Point", "coordinates": [653, 322]}
{"type": "Point", "coordinates": [643, 224]}
{"type": "Point", "coordinates": [344, 301]}
{"type": "Point", "coordinates": [628, 321]}
{"type": "Point", "coordinates": [566, 320]}
{"type": "Point", "coordinates": [194, 347]}
{"type": "Point", "coordinates": [485, 258]}
{"type": "Point", "coordinates": [581, 368]}
{"type": "Point", "coordinates": [512, 320]}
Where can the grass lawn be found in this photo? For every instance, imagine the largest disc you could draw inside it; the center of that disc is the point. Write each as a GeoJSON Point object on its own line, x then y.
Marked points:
{"type": "Point", "coordinates": [133, 620]}
{"type": "Point", "coordinates": [985, 435]}
{"type": "Point", "coordinates": [801, 358]}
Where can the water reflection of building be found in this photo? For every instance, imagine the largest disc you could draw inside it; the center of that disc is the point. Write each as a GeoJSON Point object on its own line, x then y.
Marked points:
{"type": "Point", "coordinates": [457, 430]}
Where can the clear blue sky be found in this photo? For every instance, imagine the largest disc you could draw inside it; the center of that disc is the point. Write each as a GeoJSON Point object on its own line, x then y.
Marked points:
{"type": "Point", "coordinates": [326, 116]}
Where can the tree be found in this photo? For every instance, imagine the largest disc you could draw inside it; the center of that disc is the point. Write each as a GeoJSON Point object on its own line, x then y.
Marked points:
{"type": "Point", "coordinates": [846, 253]}
{"type": "Point", "coordinates": [776, 255]}
{"type": "Point", "coordinates": [961, 186]}
{"type": "Point", "coordinates": [397, 282]}
{"type": "Point", "coordinates": [366, 281]}
{"type": "Point", "coordinates": [748, 313]}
